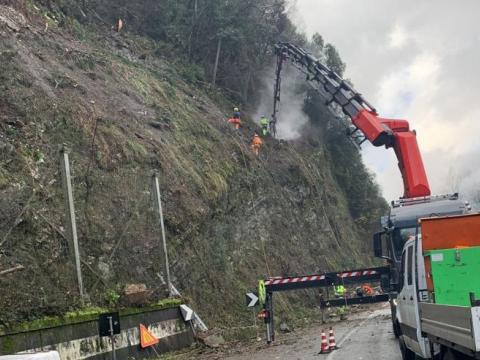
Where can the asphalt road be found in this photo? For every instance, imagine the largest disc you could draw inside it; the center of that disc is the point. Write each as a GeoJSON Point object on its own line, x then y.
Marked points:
{"type": "Point", "coordinates": [370, 338]}
{"type": "Point", "coordinates": [366, 335]}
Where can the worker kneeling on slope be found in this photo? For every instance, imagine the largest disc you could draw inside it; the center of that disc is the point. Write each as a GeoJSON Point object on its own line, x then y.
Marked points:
{"type": "Point", "coordinates": [257, 143]}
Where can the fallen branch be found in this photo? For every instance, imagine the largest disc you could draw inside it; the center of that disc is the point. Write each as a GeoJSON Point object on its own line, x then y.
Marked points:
{"type": "Point", "coordinates": [11, 270]}
{"type": "Point", "coordinates": [100, 278]}
{"type": "Point", "coordinates": [53, 226]}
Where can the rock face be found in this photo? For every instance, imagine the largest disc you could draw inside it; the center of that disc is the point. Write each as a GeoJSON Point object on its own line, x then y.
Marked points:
{"type": "Point", "coordinates": [230, 217]}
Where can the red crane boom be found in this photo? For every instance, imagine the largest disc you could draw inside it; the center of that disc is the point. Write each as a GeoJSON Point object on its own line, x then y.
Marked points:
{"type": "Point", "coordinates": [391, 133]}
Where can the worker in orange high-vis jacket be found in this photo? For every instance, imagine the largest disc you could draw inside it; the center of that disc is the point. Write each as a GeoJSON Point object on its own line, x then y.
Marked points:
{"type": "Point", "coordinates": [367, 290]}
{"type": "Point", "coordinates": [257, 143]}
{"type": "Point", "coordinates": [236, 122]}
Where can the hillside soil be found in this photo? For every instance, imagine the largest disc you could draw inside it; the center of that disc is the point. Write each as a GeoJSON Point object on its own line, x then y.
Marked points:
{"type": "Point", "coordinates": [124, 110]}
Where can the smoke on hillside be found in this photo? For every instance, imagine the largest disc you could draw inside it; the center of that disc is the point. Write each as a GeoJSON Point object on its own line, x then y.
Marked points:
{"type": "Point", "coordinates": [291, 118]}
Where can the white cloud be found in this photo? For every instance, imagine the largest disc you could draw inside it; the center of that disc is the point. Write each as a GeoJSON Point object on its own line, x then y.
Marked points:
{"type": "Point", "coordinates": [398, 37]}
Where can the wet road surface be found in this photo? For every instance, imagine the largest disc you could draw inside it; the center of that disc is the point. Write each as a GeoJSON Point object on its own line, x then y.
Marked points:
{"type": "Point", "coordinates": [364, 336]}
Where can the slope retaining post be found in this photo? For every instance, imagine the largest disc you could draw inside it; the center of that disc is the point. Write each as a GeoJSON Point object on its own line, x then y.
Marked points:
{"type": "Point", "coordinates": [71, 220]}
{"type": "Point", "coordinates": [158, 201]}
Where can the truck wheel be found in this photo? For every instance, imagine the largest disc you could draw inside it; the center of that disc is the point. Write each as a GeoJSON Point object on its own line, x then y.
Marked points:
{"type": "Point", "coordinates": [396, 329]}
{"type": "Point", "coordinates": [407, 354]}
{"type": "Point", "coordinates": [449, 354]}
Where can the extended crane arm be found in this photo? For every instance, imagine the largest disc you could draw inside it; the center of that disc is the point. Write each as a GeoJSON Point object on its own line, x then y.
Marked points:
{"type": "Point", "coordinates": [379, 131]}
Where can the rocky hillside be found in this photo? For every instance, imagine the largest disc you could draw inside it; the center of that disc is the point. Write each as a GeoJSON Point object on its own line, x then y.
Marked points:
{"type": "Point", "coordinates": [125, 110]}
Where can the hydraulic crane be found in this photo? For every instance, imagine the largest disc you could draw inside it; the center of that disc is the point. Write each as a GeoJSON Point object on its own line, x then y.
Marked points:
{"type": "Point", "coordinates": [401, 221]}
{"type": "Point", "coordinates": [391, 133]}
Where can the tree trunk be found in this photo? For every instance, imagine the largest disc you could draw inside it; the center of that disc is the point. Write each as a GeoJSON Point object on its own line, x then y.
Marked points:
{"type": "Point", "coordinates": [219, 47]}
{"type": "Point", "coordinates": [246, 86]}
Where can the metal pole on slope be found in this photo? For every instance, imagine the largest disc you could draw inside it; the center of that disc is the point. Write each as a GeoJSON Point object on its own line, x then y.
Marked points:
{"type": "Point", "coordinates": [158, 199]}
{"type": "Point", "coordinates": [71, 221]}
{"type": "Point", "coordinates": [217, 58]}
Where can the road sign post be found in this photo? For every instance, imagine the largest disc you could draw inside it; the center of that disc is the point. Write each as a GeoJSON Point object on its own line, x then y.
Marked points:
{"type": "Point", "coordinates": [268, 308]}
{"type": "Point", "coordinates": [112, 339]}
{"type": "Point", "coordinates": [109, 325]}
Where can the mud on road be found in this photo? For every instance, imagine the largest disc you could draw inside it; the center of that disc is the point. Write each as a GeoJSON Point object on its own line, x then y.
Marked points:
{"type": "Point", "coordinates": [364, 336]}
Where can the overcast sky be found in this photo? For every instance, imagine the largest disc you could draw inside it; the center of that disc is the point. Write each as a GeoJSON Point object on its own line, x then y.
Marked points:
{"type": "Point", "coordinates": [415, 60]}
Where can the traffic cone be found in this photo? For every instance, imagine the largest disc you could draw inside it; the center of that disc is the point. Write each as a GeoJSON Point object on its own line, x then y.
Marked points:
{"type": "Point", "coordinates": [332, 344]}
{"type": "Point", "coordinates": [324, 347]}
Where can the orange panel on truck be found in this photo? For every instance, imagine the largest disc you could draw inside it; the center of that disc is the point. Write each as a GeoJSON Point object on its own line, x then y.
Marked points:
{"type": "Point", "coordinates": [450, 232]}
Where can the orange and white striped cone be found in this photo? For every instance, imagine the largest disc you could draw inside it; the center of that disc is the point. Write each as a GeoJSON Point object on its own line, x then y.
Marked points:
{"type": "Point", "coordinates": [324, 347]}
{"type": "Point", "coordinates": [332, 344]}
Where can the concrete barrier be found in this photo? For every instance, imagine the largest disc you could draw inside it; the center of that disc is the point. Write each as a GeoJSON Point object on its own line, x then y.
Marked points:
{"type": "Point", "coordinates": [80, 340]}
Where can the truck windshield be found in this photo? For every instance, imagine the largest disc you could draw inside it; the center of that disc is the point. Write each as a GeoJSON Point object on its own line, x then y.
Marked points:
{"type": "Point", "coordinates": [400, 236]}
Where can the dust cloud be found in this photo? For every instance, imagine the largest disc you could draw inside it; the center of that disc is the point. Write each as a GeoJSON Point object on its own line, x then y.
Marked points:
{"type": "Point", "coordinates": [291, 117]}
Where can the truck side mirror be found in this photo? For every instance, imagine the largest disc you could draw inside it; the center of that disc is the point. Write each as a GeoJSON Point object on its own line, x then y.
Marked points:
{"type": "Point", "coordinates": [380, 246]}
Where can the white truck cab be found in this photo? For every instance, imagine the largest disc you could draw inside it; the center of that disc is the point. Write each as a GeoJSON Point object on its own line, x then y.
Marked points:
{"type": "Point", "coordinates": [429, 325]}
{"type": "Point", "coordinates": [412, 291]}
{"type": "Point", "coordinates": [428, 330]}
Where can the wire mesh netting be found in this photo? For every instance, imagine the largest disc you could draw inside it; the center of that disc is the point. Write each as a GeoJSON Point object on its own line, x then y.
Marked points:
{"type": "Point", "coordinates": [119, 238]}
{"type": "Point", "coordinates": [119, 233]}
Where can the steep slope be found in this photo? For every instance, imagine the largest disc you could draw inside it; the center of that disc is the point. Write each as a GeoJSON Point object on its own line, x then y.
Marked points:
{"type": "Point", "coordinates": [124, 112]}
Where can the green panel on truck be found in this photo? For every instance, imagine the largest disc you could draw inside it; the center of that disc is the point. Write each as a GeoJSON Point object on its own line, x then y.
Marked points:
{"type": "Point", "coordinates": [455, 273]}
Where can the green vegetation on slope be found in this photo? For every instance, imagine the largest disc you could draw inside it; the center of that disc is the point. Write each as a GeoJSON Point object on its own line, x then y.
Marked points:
{"type": "Point", "coordinates": [126, 108]}
{"type": "Point", "coordinates": [192, 31]}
